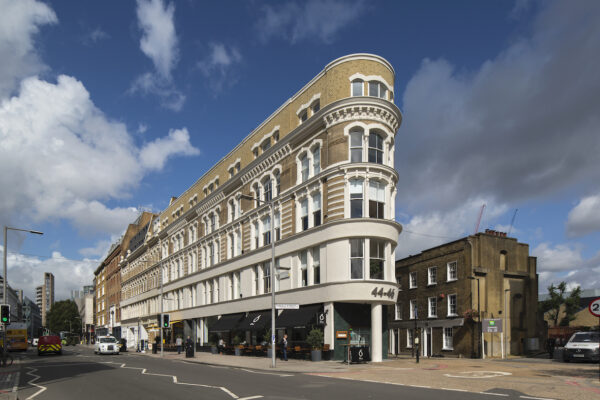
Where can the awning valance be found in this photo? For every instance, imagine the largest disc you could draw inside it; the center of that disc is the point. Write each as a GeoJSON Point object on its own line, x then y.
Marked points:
{"type": "Point", "coordinates": [256, 321]}
{"type": "Point", "coordinates": [226, 323]}
{"type": "Point", "coordinates": [302, 317]}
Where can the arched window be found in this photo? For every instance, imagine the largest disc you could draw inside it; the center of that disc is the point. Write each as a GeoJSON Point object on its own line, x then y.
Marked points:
{"type": "Point", "coordinates": [256, 194]}
{"type": "Point", "coordinates": [357, 87]}
{"type": "Point", "coordinates": [356, 146]}
{"type": "Point", "coordinates": [267, 189]}
{"type": "Point", "coordinates": [375, 148]}
{"type": "Point", "coordinates": [356, 198]}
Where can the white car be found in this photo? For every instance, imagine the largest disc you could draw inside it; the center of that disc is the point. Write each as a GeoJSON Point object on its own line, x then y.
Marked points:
{"type": "Point", "coordinates": [106, 345]}
{"type": "Point", "coordinates": [34, 342]}
{"type": "Point", "coordinates": [583, 346]}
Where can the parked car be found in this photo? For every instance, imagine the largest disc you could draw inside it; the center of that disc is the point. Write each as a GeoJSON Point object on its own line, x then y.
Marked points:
{"type": "Point", "coordinates": [583, 346]}
{"type": "Point", "coordinates": [49, 344]}
{"type": "Point", "coordinates": [34, 342]}
{"type": "Point", "coordinates": [106, 345]}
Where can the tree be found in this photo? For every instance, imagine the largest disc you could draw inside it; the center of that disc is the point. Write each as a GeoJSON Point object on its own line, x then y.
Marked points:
{"type": "Point", "coordinates": [557, 299]}
{"type": "Point", "coordinates": [63, 316]}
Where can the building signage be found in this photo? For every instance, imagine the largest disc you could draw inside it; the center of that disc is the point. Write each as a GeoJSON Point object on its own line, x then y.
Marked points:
{"type": "Point", "coordinates": [283, 306]}
{"type": "Point", "coordinates": [492, 325]}
{"type": "Point", "coordinates": [341, 334]}
{"type": "Point", "coordinates": [379, 292]}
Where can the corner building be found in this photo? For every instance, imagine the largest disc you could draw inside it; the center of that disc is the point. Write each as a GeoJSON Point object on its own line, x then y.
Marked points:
{"type": "Point", "coordinates": [326, 160]}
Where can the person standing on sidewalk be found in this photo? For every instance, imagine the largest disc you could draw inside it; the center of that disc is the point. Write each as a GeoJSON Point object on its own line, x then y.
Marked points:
{"type": "Point", "coordinates": [284, 344]}
{"type": "Point", "coordinates": [178, 343]}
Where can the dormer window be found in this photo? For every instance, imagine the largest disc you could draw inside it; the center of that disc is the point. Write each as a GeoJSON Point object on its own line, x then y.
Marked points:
{"type": "Point", "coordinates": [237, 167]}
{"type": "Point", "coordinates": [255, 153]}
{"type": "Point", "coordinates": [357, 87]}
{"type": "Point", "coordinates": [265, 145]}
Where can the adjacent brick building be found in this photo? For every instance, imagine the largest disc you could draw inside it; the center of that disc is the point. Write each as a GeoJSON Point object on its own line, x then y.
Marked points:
{"type": "Point", "coordinates": [442, 288]}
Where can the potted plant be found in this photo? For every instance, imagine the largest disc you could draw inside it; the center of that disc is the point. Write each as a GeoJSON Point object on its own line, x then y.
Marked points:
{"type": "Point", "coordinates": [236, 343]}
{"type": "Point", "coordinates": [315, 341]}
{"type": "Point", "coordinates": [212, 342]}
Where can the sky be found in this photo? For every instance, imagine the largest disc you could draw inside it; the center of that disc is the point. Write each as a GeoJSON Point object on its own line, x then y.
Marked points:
{"type": "Point", "coordinates": [109, 108]}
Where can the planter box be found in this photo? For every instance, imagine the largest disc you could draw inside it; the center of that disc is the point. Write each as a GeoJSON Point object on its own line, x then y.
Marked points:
{"type": "Point", "coordinates": [315, 355]}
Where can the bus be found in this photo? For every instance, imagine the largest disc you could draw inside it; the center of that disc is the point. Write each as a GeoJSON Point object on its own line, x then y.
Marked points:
{"type": "Point", "coordinates": [16, 336]}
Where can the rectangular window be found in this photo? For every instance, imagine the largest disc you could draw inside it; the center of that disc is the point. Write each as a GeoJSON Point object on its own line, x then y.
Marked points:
{"type": "Point", "coordinates": [304, 214]}
{"type": "Point", "coordinates": [267, 276]}
{"type": "Point", "coordinates": [448, 343]}
{"type": "Point", "coordinates": [356, 198]}
{"type": "Point", "coordinates": [265, 145]}
{"type": "Point", "coordinates": [256, 246]}
{"type": "Point", "coordinates": [266, 224]}
{"type": "Point", "coordinates": [413, 309]}
{"type": "Point", "coordinates": [413, 280]}
{"type": "Point", "coordinates": [304, 168]}
{"type": "Point", "coordinates": [356, 147]}
{"type": "Point", "coordinates": [376, 199]}
{"type": "Point", "coordinates": [432, 275]}
{"type": "Point", "coordinates": [452, 305]}
{"type": "Point", "coordinates": [398, 311]}
{"type": "Point", "coordinates": [376, 258]}
{"type": "Point", "coordinates": [316, 209]}
{"type": "Point", "coordinates": [374, 89]}
{"type": "Point", "coordinates": [399, 282]}
{"type": "Point", "coordinates": [277, 227]}
{"type": "Point", "coordinates": [316, 257]}
{"type": "Point", "coordinates": [452, 274]}
{"type": "Point", "coordinates": [409, 338]}
{"type": "Point", "coordinates": [432, 310]}
{"type": "Point", "coordinates": [303, 271]}
{"type": "Point", "coordinates": [238, 285]}
{"type": "Point", "coordinates": [356, 258]}
{"type": "Point", "coordinates": [256, 281]}
{"type": "Point", "coordinates": [267, 190]}
{"type": "Point", "coordinates": [357, 88]}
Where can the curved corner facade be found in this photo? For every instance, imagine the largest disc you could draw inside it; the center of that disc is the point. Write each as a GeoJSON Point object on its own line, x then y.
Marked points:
{"type": "Point", "coordinates": [325, 159]}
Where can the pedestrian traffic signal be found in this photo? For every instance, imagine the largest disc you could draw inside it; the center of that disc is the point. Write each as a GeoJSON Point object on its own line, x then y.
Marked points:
{"type": "Point", "coordinates": [165, 320]}
{"type": "Point", "coordinates": [5, 313]}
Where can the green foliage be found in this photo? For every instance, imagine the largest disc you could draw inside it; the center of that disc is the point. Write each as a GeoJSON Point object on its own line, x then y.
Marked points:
{"type": "Point", "coordinates": [315, 338]}
{"type": "Point", "coordinates": [63, 316]}
{"type": "Point", "coordinates": [236, 340]}
{"type": "Point", "coordinates": [213, 339]}
{"type": "Point", "coordinates": [558, 299]}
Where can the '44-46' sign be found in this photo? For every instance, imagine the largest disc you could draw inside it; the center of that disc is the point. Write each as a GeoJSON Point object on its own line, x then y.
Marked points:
{"type": "Point", "coordinates": [381, 292]}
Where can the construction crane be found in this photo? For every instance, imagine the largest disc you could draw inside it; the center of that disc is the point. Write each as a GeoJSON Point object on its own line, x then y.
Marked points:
{"type": "Point", "coordinates": [512, 221]}
{"type": "Point", "coordinates": [479, 219]}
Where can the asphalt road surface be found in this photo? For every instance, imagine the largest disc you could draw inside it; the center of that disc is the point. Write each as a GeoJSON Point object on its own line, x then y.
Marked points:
{"type": "Point", "coordinates": [80, 374]}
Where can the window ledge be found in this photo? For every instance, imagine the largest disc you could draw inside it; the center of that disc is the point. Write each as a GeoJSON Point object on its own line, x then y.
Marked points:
{"type": "Point", "coordinates": [447, 349]}
{"type": "Point", "coordinates": [413, 287]}
{"type": "Point", "coordinates": [431, 284]}
{"type": "Point", "coordinates": [432, 316]}
{"type": "Point", "coordinates": [452, 315]}
{"type": "Point", "coordinates": [451, 280]}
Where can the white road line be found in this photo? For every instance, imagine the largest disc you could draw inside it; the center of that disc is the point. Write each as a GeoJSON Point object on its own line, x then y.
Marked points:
{"type": "Point", "coordinates": [419, 386]}
{"type": "Point", "coordinates": [250, 398]}
{"type": "Point", "coordinates": [495, 394]}
{"type": "Point", "coordinates": [264, 373]}
{"type": "Point", "coordinates": [455, 390]}
{"type": "Point", "coordinates": [229, 392]}
{"type": "Point", "coordinates": [535, 398]}
{"type": "Point", "coordinates": [32, 383]}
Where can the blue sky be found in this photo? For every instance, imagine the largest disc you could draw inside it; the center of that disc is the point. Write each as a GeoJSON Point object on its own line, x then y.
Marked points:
{"type": "Point", "coordinates": [109, 107]}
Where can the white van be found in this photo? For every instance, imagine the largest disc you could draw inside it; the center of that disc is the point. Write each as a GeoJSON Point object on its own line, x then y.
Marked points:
{"type": "Point", "coordinates": [583, 346]}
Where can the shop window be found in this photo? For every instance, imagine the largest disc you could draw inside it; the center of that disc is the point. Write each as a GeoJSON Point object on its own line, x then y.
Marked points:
{"type": "Point", "coordinates": [376, 199]}
{"type": "Point", "coordinates": [376, 258]}
{"type": "Point", "coordinates": [356, 198]}
{"type": "Point", "coordinates": [356, 258]}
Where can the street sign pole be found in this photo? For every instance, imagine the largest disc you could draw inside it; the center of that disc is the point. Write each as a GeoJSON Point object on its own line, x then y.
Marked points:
{"type": "Point", "coordinates": [594, 308]}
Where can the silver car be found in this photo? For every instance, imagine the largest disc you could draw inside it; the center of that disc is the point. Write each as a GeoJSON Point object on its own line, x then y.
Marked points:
{"type": "Point", "coordinates": [106, 345]}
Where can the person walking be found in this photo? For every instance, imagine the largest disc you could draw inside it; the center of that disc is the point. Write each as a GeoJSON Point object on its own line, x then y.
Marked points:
{"type": "Point", "coordinates": [284, 344]}
{"type": "Point", "coordinates": [178, 343]}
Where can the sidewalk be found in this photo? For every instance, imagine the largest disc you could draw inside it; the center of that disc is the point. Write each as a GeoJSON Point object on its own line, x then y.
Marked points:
{"type": "Point", "coordinates": [518, 376]}
{"type": "Point", "coordinates": [9, 381]}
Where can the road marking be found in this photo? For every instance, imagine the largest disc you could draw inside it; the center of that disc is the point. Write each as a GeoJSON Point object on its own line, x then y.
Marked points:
{"type": "Point", "coordinates": [32, 383]}
{"type": "Point", "coordinates": [16, 386]}
{"type": "Point", "coordinates": [455, 390]}
{"type": "Point", "coordinates": [478, 374]}
{"type": "Point", "coordinates": [251, 397]}
{"type": "Point", "coordinates": [495, 394]}
{"type": "Point", "coordinates": [535, 398]}
{"type": "Point", "coordinates": [264, 373]}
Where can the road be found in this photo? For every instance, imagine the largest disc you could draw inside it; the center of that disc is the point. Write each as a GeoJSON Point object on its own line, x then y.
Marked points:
{"type": "Point", "coordinates": [79, 373]}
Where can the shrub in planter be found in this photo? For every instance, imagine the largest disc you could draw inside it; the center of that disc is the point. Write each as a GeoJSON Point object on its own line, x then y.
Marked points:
{"type": "Point", "coordinates": [236, 343]}
{"type": "Point", "coordinates": [315, 341]}
{"type": "Point", "coordinates": [212, 342]}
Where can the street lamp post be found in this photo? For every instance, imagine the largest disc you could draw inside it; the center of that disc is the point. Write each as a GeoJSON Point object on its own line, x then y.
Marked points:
{"type": "Point", "coordinates": [5, 278]}
{"type": "Point", "coordinates": [506, 319]}
{"type": "Point", "coordinates": [479, 315]}
{"type": "Point", "coordinates": [272, 209]}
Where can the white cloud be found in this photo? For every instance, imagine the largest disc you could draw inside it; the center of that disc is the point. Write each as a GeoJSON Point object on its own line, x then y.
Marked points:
{"type": "Point", "coordinates": [313, 19]}
{"type": "Point", "coordinates": [61, 156]}
{"type": "Point", "coordinates": [584, 218]}
{"type": "Point", "coordinates": [562, 257]}
{"type": "Point", "coordinates": [159, 40]}
{"type": "Point", "coordinates": [142, 128]}
{"type": "Point", "coordinates": [154, 154]}
{"type": "Point", "coordinates": [19, 23]}
{"type": "Point", "coordinates": [151, 83]}
{"type": "Point", "coordinates": [522, 125]}
{"type": "Point", "coordinates": [217, 66]}
{"type": "Point", "coordinates": [585, 272]}
{"type": "Point", "coordinates": [27, 272]}
{"type": "Point", "coordinates": [98, 250]}
{"type": "Point", "coordinates": [94, 36]}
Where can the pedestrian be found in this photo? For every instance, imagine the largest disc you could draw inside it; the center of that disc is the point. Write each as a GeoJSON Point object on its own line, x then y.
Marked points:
{"type": "Point", "coordinates": [284, 344]}
{"type": "Point", "coordinates": [221, 346]}
{"type": "Point", "coordinates": [189, 347]}
{"type": "Point", "coordinates": [178, 343]}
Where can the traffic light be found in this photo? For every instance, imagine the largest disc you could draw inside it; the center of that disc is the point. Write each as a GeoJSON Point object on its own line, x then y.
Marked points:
{"type": "Point", "coordinates": [165, 320]}
{"type": "Point", "coordinates": [5, 314]}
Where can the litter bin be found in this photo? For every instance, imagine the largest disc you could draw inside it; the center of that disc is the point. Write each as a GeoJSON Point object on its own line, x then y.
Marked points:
{"type": "Point", "coordinates": [189, 350]}
{"type": "Point", "coordinates": [155, 346]}
{"type": "Point", "coordinates": [123, 346]}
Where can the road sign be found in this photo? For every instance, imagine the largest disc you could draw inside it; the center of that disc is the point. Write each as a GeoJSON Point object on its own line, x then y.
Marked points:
{"type": "Point", "coordinates": [492, 325]}
{"type": "Point", "coordinates": [284, 306]}
{"type": "Point", "coordinates": [594, 307]}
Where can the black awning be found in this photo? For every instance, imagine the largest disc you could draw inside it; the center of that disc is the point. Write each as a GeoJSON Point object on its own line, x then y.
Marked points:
{"type": "Point", "coordinates": [226, 323]}
{"type": "Point", "coordinates": [256, 321]}
{"type": "Point", "coordinates": [304, 316]}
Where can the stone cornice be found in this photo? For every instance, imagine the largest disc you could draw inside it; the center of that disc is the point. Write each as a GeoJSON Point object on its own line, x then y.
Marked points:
{"type": "Point", "coordinates": [266, 163]}
{"type": "Point", "coordinates": [362, 111]}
